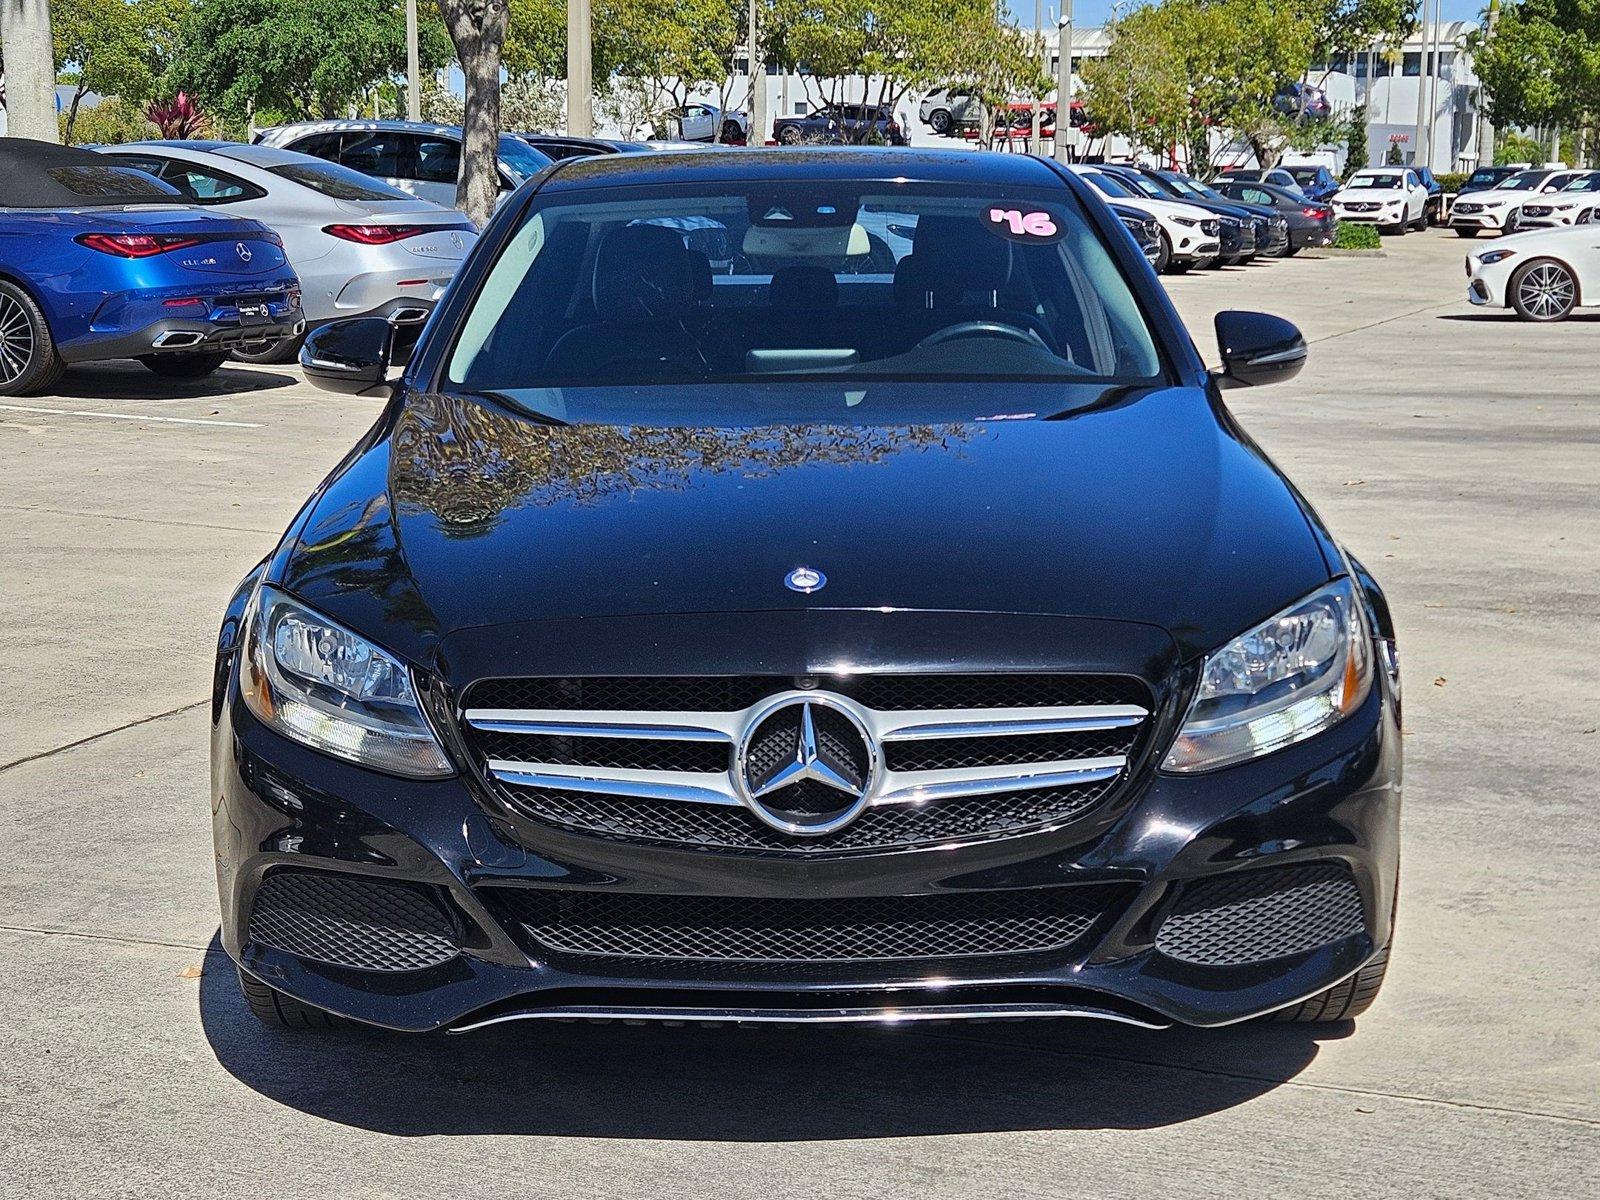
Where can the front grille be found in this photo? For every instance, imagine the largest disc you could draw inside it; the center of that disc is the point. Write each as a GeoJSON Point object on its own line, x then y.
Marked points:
{"type": "Point", "coordinates": [1467, 207]}
{"type": "Point", "coordinates": [748, 929]}
{"type": "Point", "coordinates": [881, 827]}
{"type": "Point", "coordinates": [1258, 915]}
{"type": "Point", "coordinates": [1536, 210]}
{"type": "Point", "coordinates": [1361, 206]}
{"type": "Point", "coordinates": [654, 759]}
{"type": "Point", "coordinates": [351, 921]}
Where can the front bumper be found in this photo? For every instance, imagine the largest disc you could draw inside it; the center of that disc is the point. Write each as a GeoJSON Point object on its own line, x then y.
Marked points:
{"type": "Point", "coordinates": [1332, 802]}
{"type": "Point", "coordinates": [1376, 217]}
{"type": "Point", "coordinates": [1483, 219]}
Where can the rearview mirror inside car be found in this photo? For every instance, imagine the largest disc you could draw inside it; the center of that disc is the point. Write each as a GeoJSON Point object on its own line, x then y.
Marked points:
{"type": "Point", "coordinates": [1257, 348]}
{"type": "Point", "coordinates": [349, 356]}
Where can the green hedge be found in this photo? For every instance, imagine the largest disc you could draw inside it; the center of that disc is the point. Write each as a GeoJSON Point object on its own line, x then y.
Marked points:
{"type": "Point", "coordinates": [1349, 236]}
{"type": "Point", "coordinates": [1452, 181]}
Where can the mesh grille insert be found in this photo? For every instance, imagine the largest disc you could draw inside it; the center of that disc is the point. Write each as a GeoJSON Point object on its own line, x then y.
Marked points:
{"type": "Point", "coordinates": [350, 921]}
{"type": "Point", "coordinates": [1258, 915]}
{"type": "Point", "coordinates": [881, 827]}
{"type": "Point", "coordinates": [729, 693]}
{"type": "Point", "coordinates": [765, 929]}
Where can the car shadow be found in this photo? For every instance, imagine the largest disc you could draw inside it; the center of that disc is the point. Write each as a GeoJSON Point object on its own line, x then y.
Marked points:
{"type": "Point", "coordinates": [130, 381]}
{"type": "Point", "coordinates": [752, 1084]}
{"type": "Point", "coordinates": [1506, 315]}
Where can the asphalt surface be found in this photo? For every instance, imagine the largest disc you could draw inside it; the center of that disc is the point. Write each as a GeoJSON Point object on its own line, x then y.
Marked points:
{"type": "Point", "coordinates": [1458, 454]}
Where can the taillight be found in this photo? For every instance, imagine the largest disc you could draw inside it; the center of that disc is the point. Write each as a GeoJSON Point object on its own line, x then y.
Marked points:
{"type": "Point", "coordinates": [136, 245]}
{"type": "Point", "coordinates": [376, 235]}
{"type": "Point", "coordinates": [1316, 214]}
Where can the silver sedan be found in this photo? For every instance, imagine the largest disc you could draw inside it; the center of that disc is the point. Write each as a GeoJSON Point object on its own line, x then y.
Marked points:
{"type": "Point", "coordinates": [360, 247]}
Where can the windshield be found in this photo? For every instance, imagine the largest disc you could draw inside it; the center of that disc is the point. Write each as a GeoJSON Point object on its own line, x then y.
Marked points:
{"type": "Point", "coordinates": [1110, 185]}
{"type": "Point", "coordinates": [1148, 186]}
{"type": "Point", "coordinates": [1484, 177]}
{"type": "Point", "coordinates": [339, 183]}
{"type": "Point", "coordinates": [1584, 183]}
{"type": "Point", "coordinates": [1304, 174]}
{"type": "Point", "coordinates": [674, 285]}
{"type": "Point", "coordinates": [521, 157]}
{"type": "Point", "coordinates": [1385, 182]}
{"type": "Point", "coordinates": [1523, 181]}
{"type": "Point", "coordinates": [1193, 187]}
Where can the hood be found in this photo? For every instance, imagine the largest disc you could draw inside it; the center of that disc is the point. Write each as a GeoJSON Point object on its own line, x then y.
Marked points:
{"type": "Point", "coordinates": [1149, 508]}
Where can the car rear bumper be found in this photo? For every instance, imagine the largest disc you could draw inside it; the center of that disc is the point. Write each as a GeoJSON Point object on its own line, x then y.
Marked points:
{"type": "Point", "coordinates": [449, 867]}
{"type": "Point", "coordinates": [131, 324]}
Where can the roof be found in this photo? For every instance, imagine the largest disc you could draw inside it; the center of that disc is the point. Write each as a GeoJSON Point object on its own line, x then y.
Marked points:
{"type": "Point", "coordinates": [368, 123]}
{"type": "Point", "coordinates": [26, 180]}
{"type": "Point", "coordinates": [834, 163]}
{"type": "Point", "coordinates": [255, 155]}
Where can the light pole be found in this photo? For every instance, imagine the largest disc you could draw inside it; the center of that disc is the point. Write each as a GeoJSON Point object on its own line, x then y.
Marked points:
{"type": "Point", "coordinates": [413, 69]}
{"type": "Point", "coordinates": [1038, 101]}
{"type": "Point", "coordinates": [580, 69]}
{"type": "Point", "coordinates": [1064, 84]}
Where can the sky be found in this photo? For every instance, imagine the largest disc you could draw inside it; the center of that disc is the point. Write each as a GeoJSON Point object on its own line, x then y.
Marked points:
{"type": "Point", "coordinates": [1093, 12]}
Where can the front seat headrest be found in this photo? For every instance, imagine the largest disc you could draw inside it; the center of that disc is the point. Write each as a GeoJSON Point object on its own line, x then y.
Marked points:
{"type": "Point", "coordinates": [642, 271]}
{"type": "Point", "coordinates": [956, 255]}
{"type": "Point", "coordinates": [805, 285]}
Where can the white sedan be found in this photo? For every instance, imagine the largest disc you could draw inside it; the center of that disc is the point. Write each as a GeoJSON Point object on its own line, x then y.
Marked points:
{"type": "Point", "coordinates": [1189, 235]}
{"type": "Point", "coordinates": [1543, 274]}
{"type": "Point", "coordinates": [1391, 198]}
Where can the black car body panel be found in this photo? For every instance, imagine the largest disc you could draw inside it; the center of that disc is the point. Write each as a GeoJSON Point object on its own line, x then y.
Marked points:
{"type": "Point", "coordinates": [1310, 223]}
{"type": "Point", "coordinates": [1100, 537]}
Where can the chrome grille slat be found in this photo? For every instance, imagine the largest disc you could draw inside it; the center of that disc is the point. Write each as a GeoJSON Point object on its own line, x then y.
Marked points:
{"type": "Point", "coordinates": [1050, 745]}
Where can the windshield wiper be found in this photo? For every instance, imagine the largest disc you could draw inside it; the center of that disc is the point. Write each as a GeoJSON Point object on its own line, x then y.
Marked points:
{"type": "Point", "coordinates": [509, 401]}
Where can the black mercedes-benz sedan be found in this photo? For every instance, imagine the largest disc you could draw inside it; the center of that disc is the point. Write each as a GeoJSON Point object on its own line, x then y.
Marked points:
{"type": "Point", "coordinates": [806, 585]}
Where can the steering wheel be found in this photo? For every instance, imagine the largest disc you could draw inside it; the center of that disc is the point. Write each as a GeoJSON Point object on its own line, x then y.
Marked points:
{"type": "Point", "coordinates": [966, 329]}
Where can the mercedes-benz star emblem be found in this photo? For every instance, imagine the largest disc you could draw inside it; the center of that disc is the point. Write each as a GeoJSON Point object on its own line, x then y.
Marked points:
{"type": "Point", "coordinates": [805, 580]}
{"type": "Point", "coordinates": [244, 252]}
{"type": "Point", "coordinates": [807, 763]}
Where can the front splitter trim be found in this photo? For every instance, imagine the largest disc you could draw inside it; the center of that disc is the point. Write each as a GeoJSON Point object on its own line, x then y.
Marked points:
{"type": "Point", "coordinates": [879, 1014]}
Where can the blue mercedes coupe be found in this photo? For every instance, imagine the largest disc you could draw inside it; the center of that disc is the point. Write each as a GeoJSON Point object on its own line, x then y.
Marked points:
{"type": "Point", "coordinates": [99, 261]}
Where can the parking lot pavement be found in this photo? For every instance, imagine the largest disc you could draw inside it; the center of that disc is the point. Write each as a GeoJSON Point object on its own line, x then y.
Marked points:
{"type": "Point", "coordinates": [1458, 454]}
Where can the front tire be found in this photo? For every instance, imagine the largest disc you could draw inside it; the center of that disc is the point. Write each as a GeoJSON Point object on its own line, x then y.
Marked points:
{"type": "Point", "coordinates": [939, 121]}
{"type": "Point", "coordinates": [272, 1007]}
{"type": "Point", "coordinates": [185, 366]}
{"type": "Point", "coordinates": [1544, 290]}
{"type": "Point", "coordinates": [1163, 261]}
{"type": "Point", "coordinates": [731, 132]}
{"type": "Point", "coordinates": [1342, 1001]}
{"type": "Point", "coordinates": [29, 361]}
{"type": "Point", "coordinates": [789, 136]}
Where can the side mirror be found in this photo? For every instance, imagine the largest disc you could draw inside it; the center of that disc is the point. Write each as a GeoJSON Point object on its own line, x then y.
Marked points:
{"type": "Point", "coordinates": [349, 356]}
{"type": "Point", "coordinates": [1257, 349]}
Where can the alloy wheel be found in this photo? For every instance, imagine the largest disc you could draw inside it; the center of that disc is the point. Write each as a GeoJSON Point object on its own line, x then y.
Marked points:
{"type": "Point", "coordinates": [16, 340]}
{"type": "Point", "coordinates": [1546, 291]}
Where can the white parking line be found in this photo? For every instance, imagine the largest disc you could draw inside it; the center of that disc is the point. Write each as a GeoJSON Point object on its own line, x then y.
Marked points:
{"type": "Point", "coordinates": [84, 412]}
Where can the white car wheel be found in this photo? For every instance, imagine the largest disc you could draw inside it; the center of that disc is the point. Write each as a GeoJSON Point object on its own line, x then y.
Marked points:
{"type": "Point", "coordinates": [1544, 290]}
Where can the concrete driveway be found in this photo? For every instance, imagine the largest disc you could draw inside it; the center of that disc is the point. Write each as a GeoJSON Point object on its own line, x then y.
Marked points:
{"type": "Point", "coordinates": [1458, 454]}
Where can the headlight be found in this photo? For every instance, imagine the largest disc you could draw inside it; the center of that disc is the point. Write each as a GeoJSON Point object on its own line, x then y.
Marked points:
{"type": "Point", "coordinates": [325, 687]}
{"type": "Point", "coordinates": [1190, 222]}
{"type": "Point", "coordinates": [1489, 257]}
{"type": "Point", "coordinates": [1289, 678]}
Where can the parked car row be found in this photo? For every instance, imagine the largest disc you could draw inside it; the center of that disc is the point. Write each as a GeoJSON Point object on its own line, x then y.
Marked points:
{"type": "Point", "coordinates": [1196, 225]}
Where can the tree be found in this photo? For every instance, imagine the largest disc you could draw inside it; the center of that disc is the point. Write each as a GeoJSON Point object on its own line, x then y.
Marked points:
{"type": "Point", "coordinates": [478, 29]}
{"type": "Point", "coordinates": [666, 49]}
{"type": "Point", "coordinates": [302, 59]}
{"type": "Point", "coordinates": [30, 75]}
{"type": "Point", "coordinates": [113, 47]}
{"type": "Point", "coordinates": [1541, 64]}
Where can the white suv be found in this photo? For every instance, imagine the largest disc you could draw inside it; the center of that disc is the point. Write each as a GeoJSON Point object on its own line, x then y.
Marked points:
{"type": "Point", "coordinates": [420, 159]}
{"type": "Point", "coordinates": [1391, 198]}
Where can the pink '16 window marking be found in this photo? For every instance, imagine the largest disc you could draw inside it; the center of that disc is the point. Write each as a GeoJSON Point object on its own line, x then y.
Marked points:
{"type": "Point", "coordinates": [1024, 224]}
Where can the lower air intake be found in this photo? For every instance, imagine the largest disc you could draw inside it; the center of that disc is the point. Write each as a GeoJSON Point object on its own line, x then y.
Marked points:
{"type": "Point", "coordinates": [765, 929]}
{"type": "Point", "coordinates": [1258, 915]}
{"type": "Point", "coordinates": [349, 921]}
